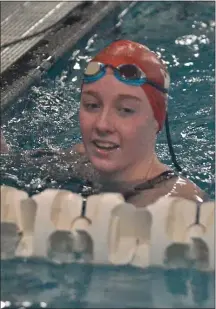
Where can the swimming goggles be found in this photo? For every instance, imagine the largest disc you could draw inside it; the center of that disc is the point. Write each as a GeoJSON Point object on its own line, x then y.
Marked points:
{"type": "Point", "coordinates": [127, 73]}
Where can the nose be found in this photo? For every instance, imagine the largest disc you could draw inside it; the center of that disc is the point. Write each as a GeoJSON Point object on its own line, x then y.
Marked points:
{"type": "Point", "coordinates": [104, 123]}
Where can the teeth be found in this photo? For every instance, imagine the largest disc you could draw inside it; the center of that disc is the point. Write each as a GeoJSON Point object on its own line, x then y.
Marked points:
{"type": "Point", "coordinates": [105, 145]}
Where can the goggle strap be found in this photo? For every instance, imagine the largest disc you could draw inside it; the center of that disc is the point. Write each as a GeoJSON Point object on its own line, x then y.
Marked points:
{"type": "Point", "coordinates": [156, 86]}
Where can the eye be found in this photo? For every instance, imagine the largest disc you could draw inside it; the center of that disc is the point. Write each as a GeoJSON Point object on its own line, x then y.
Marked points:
{"type": "Point", "coordinates": [127, 110]}
{"type": "Point", "coordinates": [91, 106]}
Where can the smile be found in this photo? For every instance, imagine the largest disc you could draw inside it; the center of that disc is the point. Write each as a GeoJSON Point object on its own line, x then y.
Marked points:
{"type": "Point", "coordinates": [105, 145]}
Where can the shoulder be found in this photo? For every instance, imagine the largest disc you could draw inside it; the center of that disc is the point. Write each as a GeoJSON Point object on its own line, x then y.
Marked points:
{"type": "Point", "coordinates": [185, 188]}
{"type": "Point", "coordinates": [175, 187]}
{"type": "Point", "coordinates": [4, 146]}
{"type": "Point", "coordinates": [79, 148]}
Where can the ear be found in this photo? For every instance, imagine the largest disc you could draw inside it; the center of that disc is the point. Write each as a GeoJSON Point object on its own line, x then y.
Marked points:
{"type": "Point", "coordinates": [155, 126]}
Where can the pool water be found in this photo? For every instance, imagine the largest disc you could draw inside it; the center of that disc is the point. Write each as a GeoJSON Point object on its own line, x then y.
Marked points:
{"type": "Point", "coordinates": [41, 284]}
{"type": "Point", "coordinates": [184, 36]}
{"type": "Point", "coordinates": [182, 33]}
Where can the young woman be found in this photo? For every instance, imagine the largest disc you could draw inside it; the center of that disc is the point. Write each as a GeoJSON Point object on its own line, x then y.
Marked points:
{"type": "Point", "coordinates": [123, 107]}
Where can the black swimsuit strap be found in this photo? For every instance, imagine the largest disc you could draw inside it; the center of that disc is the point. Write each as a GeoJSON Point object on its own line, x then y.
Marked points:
{"type": "Point", "coordinates": [149, 184]}
{"type": "Point", "coordinates": [89, 188]}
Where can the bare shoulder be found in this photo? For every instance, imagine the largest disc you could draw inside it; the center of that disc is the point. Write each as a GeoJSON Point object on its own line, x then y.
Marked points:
{"type": "Point", "coordinates": [175, 187]}
{"type": "Point", "coordinates": [79, 148]}
{"type": "Point", "coordinates": [185, 188]}
{"type": "Point", "coordinates": [3, 146]}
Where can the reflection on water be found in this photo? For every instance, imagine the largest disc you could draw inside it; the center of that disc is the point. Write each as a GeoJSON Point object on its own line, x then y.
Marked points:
{"type": "Point", "coordinates": [87, 286]}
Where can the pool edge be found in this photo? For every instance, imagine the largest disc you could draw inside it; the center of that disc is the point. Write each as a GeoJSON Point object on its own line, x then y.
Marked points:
{"type": "Point", "coordinates": [72, 34]}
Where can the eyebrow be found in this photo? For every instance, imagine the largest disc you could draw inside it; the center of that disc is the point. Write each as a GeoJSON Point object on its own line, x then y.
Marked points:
{"type": "Point", "coordinates": [92, 93]}
{"type": "Point", "coordinates": [128, 96]}
{"type": "Point", "coordinates": [119, 97]}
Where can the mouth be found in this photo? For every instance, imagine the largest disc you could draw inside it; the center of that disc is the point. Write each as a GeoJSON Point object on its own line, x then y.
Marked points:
{"type": "Point", "coordinates": [105, 146]}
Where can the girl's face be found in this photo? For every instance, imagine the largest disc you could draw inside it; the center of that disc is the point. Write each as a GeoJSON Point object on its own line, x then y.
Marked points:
{"type": "Point", "coordinates": [117, 124]}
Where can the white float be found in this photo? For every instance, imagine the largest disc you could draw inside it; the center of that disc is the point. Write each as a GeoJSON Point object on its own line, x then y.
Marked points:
{"type": "Point", "coordinates": [17, 221]}
{"type": "Point", "coordinates": [51, 225]}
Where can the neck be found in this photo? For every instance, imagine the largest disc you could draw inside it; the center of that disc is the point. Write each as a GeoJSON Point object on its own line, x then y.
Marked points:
{"type": "Point", "coordinates": [142, 171]}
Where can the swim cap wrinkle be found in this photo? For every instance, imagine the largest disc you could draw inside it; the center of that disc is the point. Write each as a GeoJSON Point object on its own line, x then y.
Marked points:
{"type": "Point", "coordinates": [128, 52]}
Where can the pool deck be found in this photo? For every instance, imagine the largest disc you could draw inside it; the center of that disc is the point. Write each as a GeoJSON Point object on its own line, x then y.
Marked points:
{"type": "Point", "coordinates": [24, 63]}
{"type": "Point", "coordinates": [20, 19]}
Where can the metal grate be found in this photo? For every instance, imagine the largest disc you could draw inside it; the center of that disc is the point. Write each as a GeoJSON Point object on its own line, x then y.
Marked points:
{"type": "Point", "coordinates": [19, 19]}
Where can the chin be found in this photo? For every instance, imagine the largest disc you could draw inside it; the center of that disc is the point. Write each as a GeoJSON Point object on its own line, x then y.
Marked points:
{"type": "Point", "coordinates": [104, 167]}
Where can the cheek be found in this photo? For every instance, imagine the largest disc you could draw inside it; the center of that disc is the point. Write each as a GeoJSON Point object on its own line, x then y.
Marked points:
{"type": "Point", "coordinates": [137, 133]}
{"type": "Point", "coordinates": [132, 135]}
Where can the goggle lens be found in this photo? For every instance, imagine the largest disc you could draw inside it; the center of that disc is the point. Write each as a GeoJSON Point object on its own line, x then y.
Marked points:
{"type": "Point", "coordinates": [130, 71]}
{"type": "Point", "coordinates": [93, 68]}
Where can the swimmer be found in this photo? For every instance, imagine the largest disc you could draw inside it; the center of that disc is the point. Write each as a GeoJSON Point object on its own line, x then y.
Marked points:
{"type": "Point", "coordinates": [123, 107]}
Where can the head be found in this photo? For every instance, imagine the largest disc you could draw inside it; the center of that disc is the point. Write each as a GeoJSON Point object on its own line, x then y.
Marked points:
{"type": "Point", "coordinates": [122, 114]}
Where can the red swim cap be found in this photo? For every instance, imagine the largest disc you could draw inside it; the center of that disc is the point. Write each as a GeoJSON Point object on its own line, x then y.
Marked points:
{"type": "Point", "coordinates": [128, 52]}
